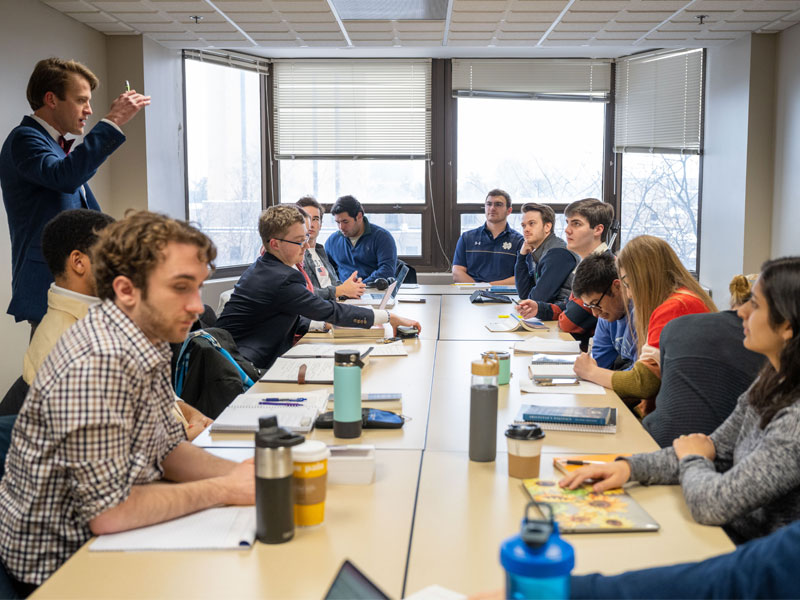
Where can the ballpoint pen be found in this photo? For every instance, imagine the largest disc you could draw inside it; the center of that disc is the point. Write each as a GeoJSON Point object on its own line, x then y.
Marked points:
{"type": "Point", "coordinates": [265, 403]}
{"type": "Point", "coordinates": [585, 462]}
{"type": "Point", "coordinates": [280, 400]}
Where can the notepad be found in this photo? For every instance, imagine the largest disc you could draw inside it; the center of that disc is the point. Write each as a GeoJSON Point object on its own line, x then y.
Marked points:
{"type": "Point", "coordinates": [224, 528]}
{"type": "Point", "coordinates": [243, 413]}
{"type": "Point", "coordinates": [328, 350]}
{"type": "Point", "coordinates": [583, 387]}
{"type": "Point", "coordinates": [287, 370]}
{"type": "Point", "coordinates": [546, 345]}
{"type": "Point", "coordinates": [551, 371]}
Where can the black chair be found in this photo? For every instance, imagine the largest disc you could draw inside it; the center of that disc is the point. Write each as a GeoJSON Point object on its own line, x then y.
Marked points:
{"type": "Point", "coordinates": [15, 396]}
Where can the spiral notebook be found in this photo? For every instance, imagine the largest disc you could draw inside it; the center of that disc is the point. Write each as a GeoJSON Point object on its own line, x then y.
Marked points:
{"type": "Point", "coordinates": [223, 528]}
{"type": "Point", "coordinates": [611, 427]}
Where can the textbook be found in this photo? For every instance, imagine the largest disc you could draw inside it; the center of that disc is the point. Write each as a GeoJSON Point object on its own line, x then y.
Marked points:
{"type": "Point", "coordinates": [222, 528]}
{"type": "Point", "coordinates": [503, 289]}
{"type": "Point", "coordinates": [578, 415]}
{"type": "Point", "coordinates": [583, 510]}
{"type": "Point", "coordinates": [567, 464]}
{"type": "Point", "coordinates": [517, 323]}
{"type": "Point", "coordinates": [375, 332]}
{"type": "Point", "coordinates": [553, 359]}
{"type": "Point", "coordinates": [296, 411]}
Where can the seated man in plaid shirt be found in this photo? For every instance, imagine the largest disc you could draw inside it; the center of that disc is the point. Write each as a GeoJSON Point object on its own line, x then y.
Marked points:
{"type": "Point", "coordinates": [96, 435]}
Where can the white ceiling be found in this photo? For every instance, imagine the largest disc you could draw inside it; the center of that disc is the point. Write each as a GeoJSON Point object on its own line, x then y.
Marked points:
{"type": "Point", "coordinates": [593, 28]}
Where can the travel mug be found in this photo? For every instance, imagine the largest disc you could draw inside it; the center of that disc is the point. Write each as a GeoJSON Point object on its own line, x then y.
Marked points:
{"type": "Point", "coordinates": [483, 411]}
{"type": "Point", "coordinates": [310, 481]}
{"type": "Point", "coordinates": [347, 394]}
{"type": "Point", "coordinates": [274, 491]}
{"type": "Point", "coordinates": [504, 365]}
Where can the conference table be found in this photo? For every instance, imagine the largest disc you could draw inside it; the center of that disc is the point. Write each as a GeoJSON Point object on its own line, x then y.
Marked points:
{"type": "Point", "coordinates": [431, 516]}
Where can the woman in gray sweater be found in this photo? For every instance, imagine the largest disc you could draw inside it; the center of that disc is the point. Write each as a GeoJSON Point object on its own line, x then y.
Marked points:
{"type": "Point", "coordinates": [746, 474]}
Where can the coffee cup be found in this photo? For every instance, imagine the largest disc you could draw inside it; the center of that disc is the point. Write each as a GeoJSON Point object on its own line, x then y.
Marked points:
{"type": "Point", "coordinates": [524, 450]}
{"type": "Point", "coordinates": [310, 482]}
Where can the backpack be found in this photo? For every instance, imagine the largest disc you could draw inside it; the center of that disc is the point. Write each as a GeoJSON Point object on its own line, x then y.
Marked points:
{"type": "Point", "coordinates": [209, 372]}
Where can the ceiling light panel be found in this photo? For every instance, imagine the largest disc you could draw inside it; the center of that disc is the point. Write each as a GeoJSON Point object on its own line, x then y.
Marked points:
{"type": "Point", "coordinates": [391, 10]}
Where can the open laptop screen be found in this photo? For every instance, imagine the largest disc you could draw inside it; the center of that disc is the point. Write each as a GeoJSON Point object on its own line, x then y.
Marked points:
{"type": "Point", "coordinates": [352, 584]}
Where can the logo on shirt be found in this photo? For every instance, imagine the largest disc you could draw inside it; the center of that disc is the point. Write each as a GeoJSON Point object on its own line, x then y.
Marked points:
{"type": "Point", "coordinates": [477, 242]}
{"type": "Point", "coordinates": [506, 245]}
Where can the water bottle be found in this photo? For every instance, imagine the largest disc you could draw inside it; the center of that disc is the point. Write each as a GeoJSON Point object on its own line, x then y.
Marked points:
{"type": "Point", "coordinates": [274, 487]}
{"type": "Point", "coordinates": [347, 394]}
{"type": "Point", "coordinates": [483, 410]}
{"type": "Point", "coordinates": [537, 561]}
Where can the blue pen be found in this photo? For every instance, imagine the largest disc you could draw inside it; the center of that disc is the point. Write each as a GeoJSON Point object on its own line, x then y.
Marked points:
{"type": "Point", "coordinates": [280, 400]}
{"type": "Point", "coordinates": [265, 403]}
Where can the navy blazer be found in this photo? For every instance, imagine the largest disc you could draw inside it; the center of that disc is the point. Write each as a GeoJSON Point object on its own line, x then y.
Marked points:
{"type": "Point", "coordinates": [38, 182]}
{"type": "Point", "coordinates": [266, 307]}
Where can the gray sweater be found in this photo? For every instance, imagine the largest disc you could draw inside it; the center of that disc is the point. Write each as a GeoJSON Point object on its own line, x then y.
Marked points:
{"type": "Point", "coordinates": [753, 484]}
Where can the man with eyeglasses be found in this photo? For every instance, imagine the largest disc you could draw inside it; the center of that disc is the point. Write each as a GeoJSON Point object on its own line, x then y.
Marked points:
{"type": "Point", "coordinates": [599, 288]}
{"type": "Point", "coordinates": [488, 253]}
{"type": "Point", "coordinates": [271, 304]}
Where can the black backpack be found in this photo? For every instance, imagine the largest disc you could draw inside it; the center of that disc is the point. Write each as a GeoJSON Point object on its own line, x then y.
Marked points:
{"type": "Point", "coordinates": [209, 372]}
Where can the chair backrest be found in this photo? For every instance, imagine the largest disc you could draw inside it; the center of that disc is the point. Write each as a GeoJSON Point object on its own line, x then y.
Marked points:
{"type": "Point", "coordinates": [15, 396]}
{"type": "Point", "coordinates": [411, 275]}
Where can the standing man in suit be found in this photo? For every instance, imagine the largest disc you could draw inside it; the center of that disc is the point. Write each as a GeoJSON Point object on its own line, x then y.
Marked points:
{"type": "Point", "coordinates": [39, 175]}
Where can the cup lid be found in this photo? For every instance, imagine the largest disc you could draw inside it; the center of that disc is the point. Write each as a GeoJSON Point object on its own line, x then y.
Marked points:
{"type": "Point", "coordinates": [485, 367]}
{"type": "Point", "coordinates": [496, 354]}
{"type": "Point", "coordinates": [524, 432]}
{"type": "Point", "coordinates": [310, 451]}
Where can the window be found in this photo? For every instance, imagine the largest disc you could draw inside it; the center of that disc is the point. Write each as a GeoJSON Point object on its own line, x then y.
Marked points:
{"type": "Point", "coordinates": [358, 127]}
{"type": "Point", "coordinates": [660, 198]}
{"type": "Point", "coordinates": [657, 125]}
{"type": "Point", "coordinates": [549, 152]}
{"type": "Point", "coordinates": [223, 148]}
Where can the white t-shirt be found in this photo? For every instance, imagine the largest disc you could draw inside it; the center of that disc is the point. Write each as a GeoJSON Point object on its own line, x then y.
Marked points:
{"type": "Point", "coordinates": [323, 277]}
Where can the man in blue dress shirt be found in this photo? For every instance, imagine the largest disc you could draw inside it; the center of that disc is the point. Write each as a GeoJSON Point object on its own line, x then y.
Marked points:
{"type": "Point", "coordinates": [489, 252]}
{"type": "Point", "coordinates": [360, 246]}
{"type": "Point", "coordinates": [39, 175]}
{"type": "Point", "coordinates": [271, 305]}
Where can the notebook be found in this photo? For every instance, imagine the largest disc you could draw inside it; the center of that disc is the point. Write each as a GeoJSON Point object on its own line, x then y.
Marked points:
{"type": "Point", "coordinates": [575, 415]}
{"type": "Point", "coordinates": [611, 427]}
{"type": "Point", "coordinates": [582, 388]}
{"type": "Point", "coordinates": [328, 350]}
{"type": "Point", "coordinates": [287, 370]}
{"type": "Point", "coordinates": [553, 359]}
{"type": "Point", "coordinates": [536, 345]}
{"type": "Point", "coordinates": [516, 323]}
{"type": "Point", "coordinates": [223, 528]}
{"type": "Point", "coordinates": [585, 511]}
{"type": "Point", "coordinates": [243, 413]}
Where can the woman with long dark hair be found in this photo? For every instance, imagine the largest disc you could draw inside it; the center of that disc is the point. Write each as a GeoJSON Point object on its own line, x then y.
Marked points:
{"type": "Point", "coordinates": [746, 474]}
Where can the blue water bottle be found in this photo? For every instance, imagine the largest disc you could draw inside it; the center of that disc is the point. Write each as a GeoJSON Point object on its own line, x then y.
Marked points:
{"type": "Point", "coordinates": [537, 561]}
{"type": "Point", "coordinates": [347, 394]}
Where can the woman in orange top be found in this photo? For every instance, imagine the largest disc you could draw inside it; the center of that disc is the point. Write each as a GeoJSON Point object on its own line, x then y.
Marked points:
{"type": "Point", "coordinates": [661, 289]}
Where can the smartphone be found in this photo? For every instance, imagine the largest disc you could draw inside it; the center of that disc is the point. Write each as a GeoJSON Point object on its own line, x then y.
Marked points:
{"type": "Point", "coordinates": [407, 332]}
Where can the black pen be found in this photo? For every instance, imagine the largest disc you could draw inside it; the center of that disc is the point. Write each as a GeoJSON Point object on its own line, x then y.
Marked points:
{"type": "Point", "coordinates": [585, 462]}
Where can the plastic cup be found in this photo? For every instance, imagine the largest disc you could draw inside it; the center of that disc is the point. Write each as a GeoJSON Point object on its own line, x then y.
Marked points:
{"type": "Point", "coordinates": [524, 450]}
{"type": "Point", "coordinates": [310, 482]}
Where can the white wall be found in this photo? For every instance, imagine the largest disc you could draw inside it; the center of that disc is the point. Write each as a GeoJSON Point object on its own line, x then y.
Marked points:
{"type": "Point", "coordinates": [786, 201]}
{"type": "Point", "coordinates": [29, 32]}
{"type": "Point", "coordinates": [738, 164]}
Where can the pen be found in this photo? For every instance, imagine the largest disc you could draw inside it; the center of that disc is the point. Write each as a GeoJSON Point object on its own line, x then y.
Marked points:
{"type": "Point", "coordinates": [127, 86]}
{"type": "Point", "coordinates": [366, 353]}
{"type": "Point", "coordinates": [585, 462]}
{"type": "Point", "coordinates": [514, 301]}
{"type": "Point", "coordinates": [265, 403]}
{"type": "Point", "coordinates": [280, 400]}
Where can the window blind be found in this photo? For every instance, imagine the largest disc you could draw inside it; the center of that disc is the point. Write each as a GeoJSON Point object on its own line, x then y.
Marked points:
{"type": "Point", "coordinates": [230, 59]}
{"type": "Point", "coordinates": [570, 79]}
{"type": "Point", "coordinates": [659, 99]}
{"type": "Point", "coordinates": [352, 109]}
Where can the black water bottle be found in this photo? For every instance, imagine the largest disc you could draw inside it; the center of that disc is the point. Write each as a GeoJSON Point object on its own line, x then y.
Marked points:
{"type": "Point", "coordinates": [274, 490]}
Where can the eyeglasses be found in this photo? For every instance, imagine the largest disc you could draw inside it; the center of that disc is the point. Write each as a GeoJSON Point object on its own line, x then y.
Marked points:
{"type": "Point", "coordinates": [303, 243]}
{"type": "Point", "coordinates": [625, 283]}
{"type": "Point", "coordinates": [596, 305]}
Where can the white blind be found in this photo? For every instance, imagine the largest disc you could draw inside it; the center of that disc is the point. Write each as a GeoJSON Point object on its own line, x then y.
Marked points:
{"type": "Point", "coordinates": [352, 109]}
{"type": "Point", "coordinates": [658, 102]}
{"type": "Point", "coordinates": [230, 59]}
{"type": "Point", "coordinates": [532, 78]}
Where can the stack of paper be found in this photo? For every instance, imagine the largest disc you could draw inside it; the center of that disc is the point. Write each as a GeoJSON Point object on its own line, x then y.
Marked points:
{"type": "Point", "coordinates": [536, 344]}
{"type": "Point", "coordinates": [328, 350]}
{"type": "Point", "coordinates": [286, 370]}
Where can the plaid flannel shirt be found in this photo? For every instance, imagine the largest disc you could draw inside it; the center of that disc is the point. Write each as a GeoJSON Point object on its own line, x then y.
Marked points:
{"type": "Point", "coordinates": [97, 421]}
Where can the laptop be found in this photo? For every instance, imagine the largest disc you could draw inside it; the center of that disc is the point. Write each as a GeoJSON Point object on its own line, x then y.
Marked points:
{"type": "Point", "coordinates": [351, 584]}
{"type": "Point", "coordinates": [385, 299]}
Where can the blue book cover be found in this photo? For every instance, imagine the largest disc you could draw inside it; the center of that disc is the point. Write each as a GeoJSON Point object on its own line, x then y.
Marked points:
{"type": "Point", "coordinates": [503, 289]}
{"type": "Point", "coordinates": [580, 415]}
